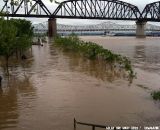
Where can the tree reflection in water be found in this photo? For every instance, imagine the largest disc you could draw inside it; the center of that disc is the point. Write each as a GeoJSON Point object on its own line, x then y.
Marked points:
{"type": "Point", "coordinates": [10, 100]}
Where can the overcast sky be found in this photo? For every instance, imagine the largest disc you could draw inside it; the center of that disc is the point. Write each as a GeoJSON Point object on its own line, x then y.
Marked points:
{"type": "Point", "coordinates": [52, 6]}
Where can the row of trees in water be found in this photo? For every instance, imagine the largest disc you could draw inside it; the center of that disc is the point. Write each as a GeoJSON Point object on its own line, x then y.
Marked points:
{"type": "Point", "coordinates": [15, 38]}
{"type": "Point", "coordinates": [94, 51]}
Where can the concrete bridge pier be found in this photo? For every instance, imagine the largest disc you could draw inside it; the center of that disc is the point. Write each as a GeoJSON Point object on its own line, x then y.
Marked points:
{"type": "Point", "coordinates": [140, 30]}
{"type": "Point", "coordinates": [52, 27]}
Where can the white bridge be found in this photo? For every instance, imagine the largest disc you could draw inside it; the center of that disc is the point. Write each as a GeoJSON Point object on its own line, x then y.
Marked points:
{"type": "Point", "coordinates": [106, 27]}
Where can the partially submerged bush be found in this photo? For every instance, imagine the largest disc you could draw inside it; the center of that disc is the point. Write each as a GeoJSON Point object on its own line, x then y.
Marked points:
{"type": "Point", "coordinates": [93, 51]}
{"type": "Point", "coordinates": [156, 95]}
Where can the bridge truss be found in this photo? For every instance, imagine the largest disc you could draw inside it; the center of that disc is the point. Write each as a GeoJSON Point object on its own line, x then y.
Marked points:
{"type": "Point", "coordinates": [152, 12]}
{"type": "Point", "coordinates": [97, 9]}
{"type": "Point", "coordinates": [24, 8]}
{"type": "Point", "coordinates": [81, 9]}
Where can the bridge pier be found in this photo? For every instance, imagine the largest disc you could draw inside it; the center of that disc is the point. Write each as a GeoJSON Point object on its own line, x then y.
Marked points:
{"type": "Point", "coordinates": [52, 27]}
{"type": "Point", "coordinates": [140, 30]}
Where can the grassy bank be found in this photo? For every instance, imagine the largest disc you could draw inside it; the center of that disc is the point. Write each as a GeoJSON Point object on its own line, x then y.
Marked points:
{"type": "Point", "coordinates": [93, 51]}
{"type": "Point", "coordinates": [156, 95]}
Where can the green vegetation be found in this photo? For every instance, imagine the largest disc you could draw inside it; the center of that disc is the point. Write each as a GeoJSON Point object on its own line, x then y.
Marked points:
{"type": "Point", "coordinates": [156, 95]}
{"type": "Point", "coordinates": [94, 52]}
{"type": "Point", "coordinates": [15, 38]}
{"type": "Point", "coordinates": [24, 27]}
{"type": "Point", "coordinates": [24, 35]}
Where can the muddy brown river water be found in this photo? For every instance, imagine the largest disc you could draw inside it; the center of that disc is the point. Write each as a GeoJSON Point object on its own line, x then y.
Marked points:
{"type": "Point", "coordinates": [53, 87]}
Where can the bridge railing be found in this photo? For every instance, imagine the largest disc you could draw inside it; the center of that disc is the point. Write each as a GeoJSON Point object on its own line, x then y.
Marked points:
{"type": "Point", "coordinates": [93, 126]}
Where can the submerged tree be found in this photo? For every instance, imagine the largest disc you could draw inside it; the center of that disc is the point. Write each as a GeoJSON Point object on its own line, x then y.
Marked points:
{"type": "Point", "coordinates": [8, 40]}
{"type": "Point", "coordinates": [15, 36]}
{"type": "Point", "coordinates": [23, 26]}
{"type": "Point", "coordinates": [24, 35]}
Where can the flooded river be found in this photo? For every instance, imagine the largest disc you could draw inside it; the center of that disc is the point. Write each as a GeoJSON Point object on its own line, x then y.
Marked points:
{"type": "Point", "coordinates": [53, 87]}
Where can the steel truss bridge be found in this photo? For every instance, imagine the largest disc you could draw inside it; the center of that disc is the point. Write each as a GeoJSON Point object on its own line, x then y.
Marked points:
{"type": "Point", "coordinates": [81, 9]}
{"type": "Point", "coordinates": [106, 26]}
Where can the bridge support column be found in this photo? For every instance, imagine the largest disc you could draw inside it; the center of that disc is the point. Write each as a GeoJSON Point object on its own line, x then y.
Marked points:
{"type": "Point", "coordinates": [140, 31]}
{"type": "Point", "coordinates": [52, 27]}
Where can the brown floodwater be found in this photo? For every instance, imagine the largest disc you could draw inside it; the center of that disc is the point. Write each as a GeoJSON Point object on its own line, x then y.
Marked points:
{"type": "Point", "coordinates": [48, 90]}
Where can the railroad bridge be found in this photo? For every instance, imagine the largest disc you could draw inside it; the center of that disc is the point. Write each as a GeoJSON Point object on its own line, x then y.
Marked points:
{"type": "Point", "coordinates": [83, 9]}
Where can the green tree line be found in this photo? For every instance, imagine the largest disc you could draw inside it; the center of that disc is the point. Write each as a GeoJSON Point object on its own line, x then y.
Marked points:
{"type": "Point", "coordinates": [15, 38]}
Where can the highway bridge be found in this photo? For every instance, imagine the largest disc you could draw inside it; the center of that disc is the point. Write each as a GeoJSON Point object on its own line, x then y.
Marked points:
{"type": "Point", "coordinates": [106, 27]}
